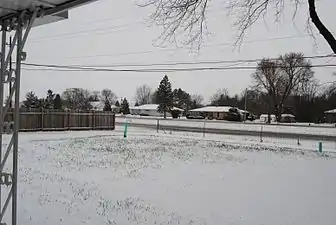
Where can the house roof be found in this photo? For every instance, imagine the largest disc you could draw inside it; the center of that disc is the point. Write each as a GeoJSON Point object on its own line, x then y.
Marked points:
{"type": "Point", "coordinates": [282, 115]}
{"type": "Point", "coordinates": [266, 115]}
{"type": "Point", "coordinates": [151, 107]}
{"type": "Point", "coordinates": [146, 107]}
{"type": "Point", "coordinates": [243, 111]}
{"type": "Point", "coordinates": [288, 115]}
{"type": "Point", "coordinates": [212, 109]}
{"type": "Point", "coordinates": [332, 111]}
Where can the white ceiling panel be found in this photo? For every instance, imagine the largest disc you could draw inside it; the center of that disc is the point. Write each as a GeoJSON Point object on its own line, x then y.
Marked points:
{"type": "Point", "coordinates": [54, 9]}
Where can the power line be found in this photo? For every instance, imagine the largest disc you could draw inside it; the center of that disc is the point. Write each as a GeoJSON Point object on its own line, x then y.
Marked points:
{"type": "Point", "coordinates": [93, 69]}
{"type": "Point", "coordinates": [239, 61]}
{"type": "Point", "coordinates": [200, 62]}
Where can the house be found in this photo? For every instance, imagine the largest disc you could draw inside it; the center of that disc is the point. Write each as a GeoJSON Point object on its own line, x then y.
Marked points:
{"type": "Point", "coordinates": [152, 110]}
{"type": "Point", "coordinates": [330, 116]}
{"type": "Point", "coordinates": [216, 112]}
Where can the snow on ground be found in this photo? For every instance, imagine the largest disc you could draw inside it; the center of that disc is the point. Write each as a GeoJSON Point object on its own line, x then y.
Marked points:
{"type": "Point", "coordinates": [330, 131]}
{"type": "Point", "coordinates": [99, 177]}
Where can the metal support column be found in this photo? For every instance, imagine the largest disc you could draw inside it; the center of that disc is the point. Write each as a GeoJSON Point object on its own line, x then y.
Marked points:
{"type": "Point", "coordinates": [10, 177]}
{"type": "Point", "coordinates": [2, 75]}
{"type": "Point", "coordinates": [16, 120]}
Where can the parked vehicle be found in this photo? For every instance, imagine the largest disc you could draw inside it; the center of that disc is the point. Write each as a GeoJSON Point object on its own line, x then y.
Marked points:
{"type": "Point", "coordinates": [198, 117]}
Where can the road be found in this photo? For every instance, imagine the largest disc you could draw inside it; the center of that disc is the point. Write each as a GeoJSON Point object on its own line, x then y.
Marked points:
{"type": "Point", "coordinates": [227, 128]}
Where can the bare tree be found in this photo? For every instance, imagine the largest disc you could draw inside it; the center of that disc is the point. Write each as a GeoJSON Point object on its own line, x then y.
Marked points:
{"type": "Point", "coordinates": [220, 97]}
{"type": "Point", "coordinates": [108, 95]}
{"type": "Point", "coordinates": [308, 90]}
{"type": "Point", "coordinates": [95, 96]}
{"type": "Point", "coordinates": [77, 98]}
{"type": "Point", "coordinates": [197, 100]}
{"type": "Point", "coordinates": [188, 17]}
{"type": "Point", "coordinates": [280, 78]}
{"type": "Point", "coordinates": [143, 94]}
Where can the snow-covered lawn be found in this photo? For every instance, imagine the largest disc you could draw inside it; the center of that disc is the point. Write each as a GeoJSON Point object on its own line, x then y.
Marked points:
{"type": "Point", "coordinates": [98, 178]}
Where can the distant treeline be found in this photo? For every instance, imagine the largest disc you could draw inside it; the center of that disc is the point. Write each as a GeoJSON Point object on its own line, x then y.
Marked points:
{"type": "Point", "coordinates": [282, 85]}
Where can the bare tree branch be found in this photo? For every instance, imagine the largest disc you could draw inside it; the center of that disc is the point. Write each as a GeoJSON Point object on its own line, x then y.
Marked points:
{"type": "Point", "coordinates": [320, 26]}
{"type": "Point", "coordinates": [188, 18]}
{"type": "Point", "coordinates": [177, 17]}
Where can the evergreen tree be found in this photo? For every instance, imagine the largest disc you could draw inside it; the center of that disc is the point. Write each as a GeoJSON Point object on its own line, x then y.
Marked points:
{"type": "Point", "coordinates": [125, 107]}
{"type": "Point", "coordinates": [49, 101]}
{"type": "Point", "coordinates": [165, 96]}
{"type": "Point", "coordinates": [117, 103]}
{"type": "Point", "coordinates": [41, 103]}
{"type": "Point", "coordinates": [107, 106]}
{"type": "Point", "coordinates": [154, 97]}
{"type": "Point", "coordinates": [31, 101]}
{"type": "Point", "coordinates": [58, 102]}
{"type": "Point", "coordinates": [182, 99]}
{"type": "Point", "coordinates": [136, 104]}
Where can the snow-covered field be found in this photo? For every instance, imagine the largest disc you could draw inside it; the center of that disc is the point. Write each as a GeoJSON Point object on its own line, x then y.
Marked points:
{"type": "Point", "coordinates": [329, 131]}
{"type": "Point", "coordinates": [99, 177]}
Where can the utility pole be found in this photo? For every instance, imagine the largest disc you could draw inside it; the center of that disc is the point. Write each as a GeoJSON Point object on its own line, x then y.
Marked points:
{"type": "Point", "coordinates": [10, 69]}
{"type": "Point", "coordinates": [245, 113]}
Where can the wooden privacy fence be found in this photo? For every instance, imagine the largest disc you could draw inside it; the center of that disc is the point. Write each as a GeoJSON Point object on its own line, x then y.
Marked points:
{"type": "Point", "coordinates": [64, 120]}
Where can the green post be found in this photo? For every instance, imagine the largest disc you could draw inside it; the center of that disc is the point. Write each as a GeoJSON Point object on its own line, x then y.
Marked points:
{"type": "Point", "coordinates": [125, 129]}
{"type": "Point", "coordinates": [320, 147]}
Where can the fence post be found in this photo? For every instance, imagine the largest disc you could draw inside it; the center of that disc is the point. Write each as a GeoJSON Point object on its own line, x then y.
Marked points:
{"type": "Point", "coordinates": [157, 126]}
{"type": "Point", "coordinates": [42, 120]}
{"type": "Point", "coordinates": [93, 121]}
{"type": "Point", "coordinates": [125, 128]}
{"type": "Point", "coordinates": [261, 134]}
{"type": "Point", "coordinates": [69, 120]}
{"type": "Point", "coordinates": [113, 119]}
{"type": "Point", "coordinates": [320, 147]}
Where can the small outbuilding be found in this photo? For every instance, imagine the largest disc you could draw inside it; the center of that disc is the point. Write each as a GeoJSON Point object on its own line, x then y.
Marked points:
{"type": "Point", "coordinates": [330, 116]}
{"type": "Point", "coordinates": [264, 118]}
{"type": "Point", "coordinates": [285, 118]}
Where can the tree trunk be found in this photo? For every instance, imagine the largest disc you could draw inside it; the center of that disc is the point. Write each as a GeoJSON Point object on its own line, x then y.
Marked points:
{"type": "Point", "coordinates": [269, 117]}
{"type": "Point", "coordinates": [320, 26]}
{"type": "Point", "coordinates": [269, 110]}
{"type": "Point", "coordinates": [278, 112]}
{"type": "Point", "coordinates": [164, 114]}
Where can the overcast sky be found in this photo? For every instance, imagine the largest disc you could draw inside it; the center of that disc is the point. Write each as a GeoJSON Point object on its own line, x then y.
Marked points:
{"type": "Point", "coordinates": [116, 32]}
